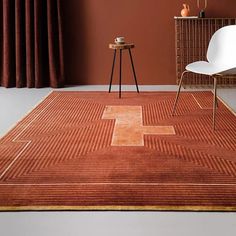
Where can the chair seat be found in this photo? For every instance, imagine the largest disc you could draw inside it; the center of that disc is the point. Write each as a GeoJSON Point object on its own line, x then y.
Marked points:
{"type": "Point", "coordinates": [206, 68]}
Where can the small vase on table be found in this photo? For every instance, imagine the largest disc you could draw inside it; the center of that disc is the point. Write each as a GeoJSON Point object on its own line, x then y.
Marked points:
{"type": "Point", "coordinates": [185, 11]}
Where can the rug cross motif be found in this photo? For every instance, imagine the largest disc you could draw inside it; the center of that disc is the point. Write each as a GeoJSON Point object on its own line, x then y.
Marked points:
{"type": "Point", "coordinates": [129, 128]}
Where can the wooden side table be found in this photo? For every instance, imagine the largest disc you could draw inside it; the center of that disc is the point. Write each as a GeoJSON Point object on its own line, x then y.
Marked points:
{"type": "Point", "coordinates": [121, 47]}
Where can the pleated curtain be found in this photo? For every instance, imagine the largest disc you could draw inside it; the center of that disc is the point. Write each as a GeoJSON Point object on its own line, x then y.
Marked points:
{"type": "Point", "coordinates": [31, 44]}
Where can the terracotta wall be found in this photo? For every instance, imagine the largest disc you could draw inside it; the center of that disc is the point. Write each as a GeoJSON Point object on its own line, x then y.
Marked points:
{"type": "Point", "coordinates": [90, 25]}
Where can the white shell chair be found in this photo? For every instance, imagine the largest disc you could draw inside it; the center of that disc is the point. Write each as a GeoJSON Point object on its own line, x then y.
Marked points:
{"type": "Point", "coordinates": [221, 56]}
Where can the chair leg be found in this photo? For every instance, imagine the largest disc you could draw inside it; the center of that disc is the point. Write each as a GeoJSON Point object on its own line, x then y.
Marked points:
{"type": "Point", "coordinates": [214, 101]}
{"type": "Point", "coordinates": [132, 63]}
{"type": "Point", "coordinates": [177, 95]}
{"type": "Point", "coordinates": [217, 104]}
{"type": "Point", "coordinates": [112, 70]}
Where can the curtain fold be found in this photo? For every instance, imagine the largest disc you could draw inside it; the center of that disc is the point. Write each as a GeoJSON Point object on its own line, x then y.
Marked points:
{"type": "Point", "coordinates": [31, 43]}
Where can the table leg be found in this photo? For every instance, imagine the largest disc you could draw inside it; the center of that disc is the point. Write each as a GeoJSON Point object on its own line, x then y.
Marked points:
{"type": "Point", "coordinates": [120, 73]}
{"type": "Point", "coordinates": [131, 59]}
{"type": "Point", "coordinates": [112, 70]}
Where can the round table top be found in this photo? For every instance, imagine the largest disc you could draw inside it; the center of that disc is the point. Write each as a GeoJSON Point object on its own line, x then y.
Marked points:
{"type": "Point", "coordinates": [121, 46]}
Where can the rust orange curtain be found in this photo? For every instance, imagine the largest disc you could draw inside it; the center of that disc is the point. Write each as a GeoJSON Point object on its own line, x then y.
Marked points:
{"type": "Point", "coordinates": [31, 43]}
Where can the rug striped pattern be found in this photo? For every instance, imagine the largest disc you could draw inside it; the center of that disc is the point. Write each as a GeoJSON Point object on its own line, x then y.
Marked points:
{"type": "Point", "coordinates": [60, 156]}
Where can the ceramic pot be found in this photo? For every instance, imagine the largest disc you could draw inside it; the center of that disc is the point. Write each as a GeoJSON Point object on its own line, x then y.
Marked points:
{"type": "Point", "coordinates": [185, 11]}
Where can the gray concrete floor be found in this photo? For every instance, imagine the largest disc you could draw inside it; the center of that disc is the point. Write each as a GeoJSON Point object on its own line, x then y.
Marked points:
{"type": "Point", "coordinates": [15, 103]}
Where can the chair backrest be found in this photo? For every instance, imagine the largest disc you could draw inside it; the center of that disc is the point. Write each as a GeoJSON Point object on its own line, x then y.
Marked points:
{"type": "Point", "coordinates": [222, 47]}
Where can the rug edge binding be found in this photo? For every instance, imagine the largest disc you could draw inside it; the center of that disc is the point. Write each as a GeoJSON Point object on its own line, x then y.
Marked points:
{"type": "Point", "coordinates": [121, 208]}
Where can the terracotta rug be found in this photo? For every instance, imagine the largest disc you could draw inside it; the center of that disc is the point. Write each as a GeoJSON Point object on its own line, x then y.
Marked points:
{"type": "Point", "coordinates": [93, 151]}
